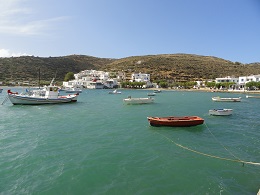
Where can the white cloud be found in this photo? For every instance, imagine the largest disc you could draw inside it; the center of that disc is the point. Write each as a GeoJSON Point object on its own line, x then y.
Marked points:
{"type": "Point", "coordinates": [17, 19]}
{"type": "Point", "coordinates": [7, 53]}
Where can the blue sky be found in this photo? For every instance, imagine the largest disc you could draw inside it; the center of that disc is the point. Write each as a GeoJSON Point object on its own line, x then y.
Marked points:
{"type": "Point", "coordinates": [228, 29]}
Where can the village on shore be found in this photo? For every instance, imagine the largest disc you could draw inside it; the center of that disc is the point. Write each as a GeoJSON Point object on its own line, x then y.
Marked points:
{"type": "Point", "coordinates": [93, 79]}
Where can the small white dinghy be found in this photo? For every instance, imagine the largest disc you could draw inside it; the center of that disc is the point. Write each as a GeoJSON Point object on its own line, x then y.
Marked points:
{"type": "Point", "coordinates": [131, 100]}
{"type": "Point", "coordinates": [221, 112]}
{"type": "Point", "coordinates": [219, 99]}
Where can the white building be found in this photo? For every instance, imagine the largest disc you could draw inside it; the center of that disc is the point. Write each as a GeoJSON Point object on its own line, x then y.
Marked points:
{"type": "Point", "coordinates": [139, 77]}
{"type": "Point", "coordinates": [240, 82]}
{"type": "Point", "coordinates": [91, 79]}
{"type": "Point", "coordinates": [245, 79]}
{"type": "Point", "coordinates": [227, 79]}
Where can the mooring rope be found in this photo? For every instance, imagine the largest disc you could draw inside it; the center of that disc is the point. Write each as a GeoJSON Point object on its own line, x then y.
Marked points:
{"type": "Point", "coordinates": [4, 100]}
{"type": "Point", "coordinates": [221, 143]}
{"type": "Point", "coordinates": [209, 155]}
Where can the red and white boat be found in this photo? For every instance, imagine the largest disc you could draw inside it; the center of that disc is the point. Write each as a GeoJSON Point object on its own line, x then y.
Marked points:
{"type": "Point", "coordinates": [176, 121]}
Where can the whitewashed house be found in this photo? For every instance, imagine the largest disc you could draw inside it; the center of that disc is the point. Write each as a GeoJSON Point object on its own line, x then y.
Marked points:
{"type": "Point", "coordinates": [227, 79]}
{"type": "Point", "coordinates": [141, 77]}
{"type": "Point", "coordinates": [245, 79]}
{"type": "Point", "coordinates": [92, 79]}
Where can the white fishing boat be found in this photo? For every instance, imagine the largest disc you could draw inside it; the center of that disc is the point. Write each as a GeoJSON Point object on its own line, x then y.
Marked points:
{"type": "Point", "coordinates": [131, 100]}
{"type": "Point", "coordinates": [221, 112]}
{"type": "Point", "coordinates": [114, 92]}
{"type": "Point", "coordinates": [219, 99]}
{"type": "Point", "coordinates": [50, 96]}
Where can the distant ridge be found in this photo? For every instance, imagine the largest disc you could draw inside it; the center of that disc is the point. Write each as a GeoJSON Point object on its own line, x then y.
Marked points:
{"type": "Point", "coordinates": [171, 67]}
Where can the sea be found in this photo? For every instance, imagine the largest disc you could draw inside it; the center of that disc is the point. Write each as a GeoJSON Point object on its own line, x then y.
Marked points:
{"type": "Point", "coordinates": [99, 145]}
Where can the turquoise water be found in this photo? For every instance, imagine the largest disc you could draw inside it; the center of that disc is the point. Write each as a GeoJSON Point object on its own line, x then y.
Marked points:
{"type": "Point", "coordinates": [101, 146]}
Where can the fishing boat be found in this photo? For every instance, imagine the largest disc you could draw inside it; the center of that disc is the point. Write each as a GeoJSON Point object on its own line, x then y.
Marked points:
{"type": "Point", "coordinates": [253, 96]}
{"type": "Point", "coordinates": [131, 100]}
{"type": "Point", "coordinates": [219, 99]}
{"type": "Point", "coordinates": [176, 121]}
{"type": "Point", "coordinates": [114, 92]}
{"type": "Point", "coordinates": [51, 96]}
{"type": "Point", "coordinates": [221, 112]}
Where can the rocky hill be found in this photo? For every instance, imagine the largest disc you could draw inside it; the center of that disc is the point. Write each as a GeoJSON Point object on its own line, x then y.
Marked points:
{"type": "Point", "coordinates": [170, 67]}
{"type": "Point", "coordinates": [26, 68]}
{"type": "Point", "coordinates": [183, 67]}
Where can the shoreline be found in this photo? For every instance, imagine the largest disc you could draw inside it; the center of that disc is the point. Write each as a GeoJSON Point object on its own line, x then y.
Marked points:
{"type": "Point", "coordinates": [166, 89]}
{"type": "Point", "coordinates": [209, 90]}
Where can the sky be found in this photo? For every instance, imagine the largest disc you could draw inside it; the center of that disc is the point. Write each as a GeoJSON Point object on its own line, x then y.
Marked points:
{"type": "Point", "coordinates": [228, 29]}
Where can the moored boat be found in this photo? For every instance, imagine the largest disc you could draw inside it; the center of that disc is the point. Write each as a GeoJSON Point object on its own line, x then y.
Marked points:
{"type": "Point", "coordinates": [219, 99]}
{"type": "Point", "coordinates": [176, 121]}
{"type": "Point", "coordinates": [71, 90]}
{"type": "Point", "coordinates": [151, 94]}
{"type": "Point", "coordinates": [131, 100]}
{"type": "Point", "coordinates": [253, 96]}
{"type": "Point", "coordinates": [221, 112]}
{"type": "Point", "coordinates": [114, 92]}
{"type": "Point", "coordinates": [157, 91]}
{"type": "Point", "coordinates": [51, 96]}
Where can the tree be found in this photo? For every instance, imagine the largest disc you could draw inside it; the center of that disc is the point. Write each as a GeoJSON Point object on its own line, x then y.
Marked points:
{"type": "Point", "coordinates": [163, 84]}
{"type": "Point", "coordinates": [253, 85]}
{"type": "Point", "coordinates": [210, 84]}
{"type": "Point", "coordinates": [69, 76]}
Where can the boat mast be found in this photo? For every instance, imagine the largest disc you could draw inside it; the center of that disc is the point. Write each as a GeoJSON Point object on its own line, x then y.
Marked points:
{"type": "Point", "coordinates": [39, 78]}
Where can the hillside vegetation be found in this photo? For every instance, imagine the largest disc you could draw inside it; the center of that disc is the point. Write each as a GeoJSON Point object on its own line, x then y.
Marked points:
{"type": "Point", "coordinates": [183, 67]}
{"type": "Point", "coordinates": [26, 68]}
{"type": "Point", "coordinates": [169, 67]}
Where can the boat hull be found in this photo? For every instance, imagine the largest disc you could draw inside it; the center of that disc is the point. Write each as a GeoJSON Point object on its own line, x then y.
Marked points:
{"type": "Point", "coordinates": [27, 100]}
{"type": "Point", "coordinates": [171, 121]}
{"type": "Point", "coordinates": [218, 99]}
{"type": "Point", "coordinates": [252, 96]}
{"type": "Point", "coordinates": [221, 112]}
{"type": "Point", "coordinates": [138, 100]}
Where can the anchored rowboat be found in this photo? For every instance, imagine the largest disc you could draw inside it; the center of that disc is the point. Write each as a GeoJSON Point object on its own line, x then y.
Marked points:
{"type": "Point", "coordinates": [176, 121]}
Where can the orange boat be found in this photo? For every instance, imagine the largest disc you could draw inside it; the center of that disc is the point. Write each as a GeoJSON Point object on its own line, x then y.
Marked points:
{"type": "Point", "coordinates": [176, 121]}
